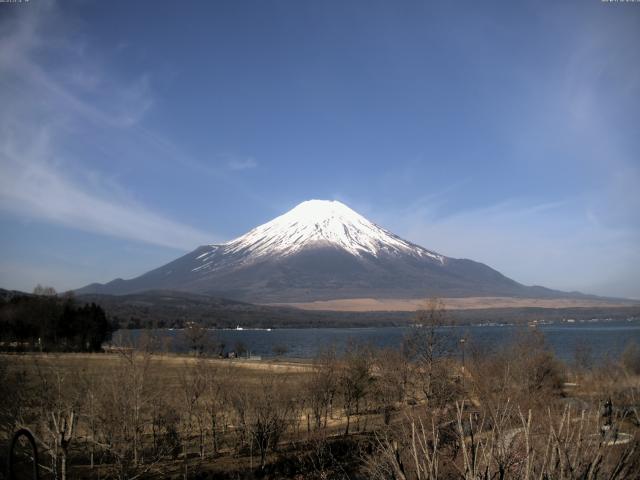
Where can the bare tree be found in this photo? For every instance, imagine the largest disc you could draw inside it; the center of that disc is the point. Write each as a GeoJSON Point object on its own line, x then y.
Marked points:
{"type": "Point", "coordinates": [165, 428]}
{"type": "Point", "coordinates": [354, 379]}
{"type": "Point", "coordinates": [582, 356]}
{"type": "Point", "coordinates": [91, 389]}
{"type": "Point", "coordinates": [215, 401]}
{"type": "Point", "coordinates": [17, 391]}
{"type": "Point", "coordinates": [505, 443]}
{"type": "Point", "coordinates": [391, 369]}
{"type": "Point", "coordinates": [240, 348]}
{"type": "Point", "coordinates": [428, 344]}
{"type": "Point", "coordinates": [60, 394]}
{"type": "Point", "coordinates": [44, 291]}
{"type": "Point", "coordinates": [526, 372]}
{"type": "Point", "coordinates": [123, 411]}
{"type": "Point", "coordinates": [321, 386]}
{"type": "Point", "coordinates": [414, 455]}
{"type": "Point", "coordinates": [631, 358]}
{"type": "Point", "coordinates": [192, 388]}
{"type": "Point", "coordinates": [199, 339]}
{"type": "Point", "coordinates": [264, 413]}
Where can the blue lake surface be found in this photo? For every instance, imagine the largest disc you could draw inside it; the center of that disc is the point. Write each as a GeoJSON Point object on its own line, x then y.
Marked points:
{"type": "Point", "coordinates": [603, 338]}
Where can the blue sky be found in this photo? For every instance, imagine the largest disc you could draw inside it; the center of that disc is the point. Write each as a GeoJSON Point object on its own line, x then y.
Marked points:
{"type": "Point", "coordinates": [505, 132]}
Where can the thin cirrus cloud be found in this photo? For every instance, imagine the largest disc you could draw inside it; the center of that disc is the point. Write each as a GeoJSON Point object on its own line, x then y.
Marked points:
{"type": "Point", "coordinates": [42, 107]}
{"type": "Point", "coordinates": [31, 186]}
{"type": "Point", "coordinates": [241, 163]}
{"type": "Point", "coordinates": [557, 244]}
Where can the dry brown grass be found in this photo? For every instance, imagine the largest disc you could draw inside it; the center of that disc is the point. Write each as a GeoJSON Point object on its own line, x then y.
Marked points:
{"type": "Point", "coordinates": [493, 408]}
{"type": "Point", "coordinates": [469, 303]}
{"type": "Point", "coordinates": [165, 368]}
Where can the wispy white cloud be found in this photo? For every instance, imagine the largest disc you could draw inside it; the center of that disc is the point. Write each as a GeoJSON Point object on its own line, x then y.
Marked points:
{"type": "Point", "coordinates": [31, 185]}
{"type": "Point", "coordinates": [577, 124]}
{"type": "Point", "coordinates": [241, 163]}
{"type": "Point", "coordinates": [44, 106]}
{"type": "Point", "coordinates": [551, 244]}
{"type": "Point", "coordinates": [74, 86]}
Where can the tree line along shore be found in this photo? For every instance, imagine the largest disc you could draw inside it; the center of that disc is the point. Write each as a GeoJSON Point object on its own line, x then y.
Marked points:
{"type": "Point", "coordinates": [23, 316]}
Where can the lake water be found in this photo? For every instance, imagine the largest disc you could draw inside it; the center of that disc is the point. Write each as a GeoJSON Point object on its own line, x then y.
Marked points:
{"type": "Point", "coordinates": [603, 338]}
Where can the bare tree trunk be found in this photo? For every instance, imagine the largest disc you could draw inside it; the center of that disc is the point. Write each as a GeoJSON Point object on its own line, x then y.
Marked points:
{"type": "Point", "coordinates": [63, 428]}
{"type": "Point", "coordinates": [54, 458]}
{"type": "Point", "coordinates": [135, 433]}
{"type": "Point", "coordinates": [186, 464]}
{"type": "Point", "coordinates": [63, 466]}
{"type": "Point", "coordinates": [346, 431]}
{"type": "Point", "coordinates": [93, 428]}
{"type": "Point", "coordinates": [214, 436]}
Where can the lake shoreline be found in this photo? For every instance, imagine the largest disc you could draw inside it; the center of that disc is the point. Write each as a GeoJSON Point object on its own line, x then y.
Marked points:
{"type": "Point", "coordinates": [604, 338]}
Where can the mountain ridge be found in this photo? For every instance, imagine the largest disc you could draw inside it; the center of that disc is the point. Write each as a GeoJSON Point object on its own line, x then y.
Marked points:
{"type": "Point", "coordinates": [323, 250]}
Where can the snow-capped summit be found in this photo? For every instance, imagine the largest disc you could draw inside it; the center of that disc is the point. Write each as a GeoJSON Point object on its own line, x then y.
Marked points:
{"type": "Point", "coordinates": [321, 250]}
{"type": "Point", "coordinates": [322, 223]}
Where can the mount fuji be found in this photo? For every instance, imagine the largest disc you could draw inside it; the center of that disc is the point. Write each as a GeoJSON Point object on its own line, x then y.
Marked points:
{"type": "Point", "coordinates": [322, 250]}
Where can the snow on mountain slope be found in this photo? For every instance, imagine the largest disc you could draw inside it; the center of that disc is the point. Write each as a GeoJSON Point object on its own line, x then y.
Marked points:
{"type": "Point", "coordinates": [316, 223]}
{"type": "Point", "coordinates": [322, 250]}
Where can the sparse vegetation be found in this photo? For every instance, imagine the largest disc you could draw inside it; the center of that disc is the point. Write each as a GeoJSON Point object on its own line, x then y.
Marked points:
{"type": "Point", "coordinates": [412, 413]}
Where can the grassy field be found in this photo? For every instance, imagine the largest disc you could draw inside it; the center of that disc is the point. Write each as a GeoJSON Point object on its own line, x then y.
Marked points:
{"type": "Point", "coordinates": [169, 378]}
{"type": "Point", "coordinates": [163, 370]}
{"type": "Point", "coordinates": [467, 303]}
{"type": "Point", "coordinates": [139, 414]}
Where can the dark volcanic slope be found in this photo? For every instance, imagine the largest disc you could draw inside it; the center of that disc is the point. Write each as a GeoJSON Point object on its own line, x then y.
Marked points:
{"type": "Point", "coordinates": [321, 251]}
{"type": "Point", "coordinates": [324, 273]}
